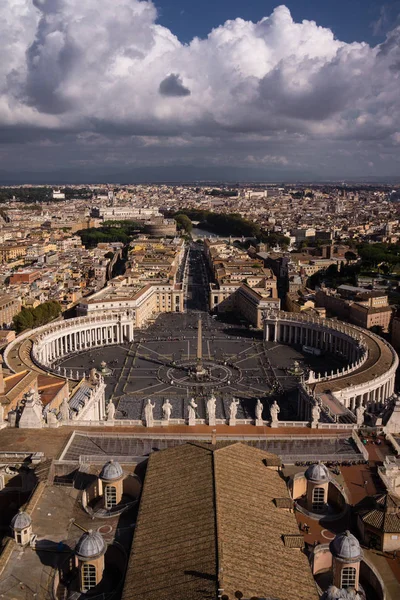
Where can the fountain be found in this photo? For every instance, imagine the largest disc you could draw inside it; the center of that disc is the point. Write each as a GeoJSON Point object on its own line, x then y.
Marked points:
{"type": "Point", "coordinates": [104, 370]}
{"type": "Point", "coordinates": [296, 370]}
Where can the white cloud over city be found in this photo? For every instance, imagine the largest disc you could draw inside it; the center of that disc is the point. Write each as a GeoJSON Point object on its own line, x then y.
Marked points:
{"type": "Point", "coordinates": [96, 82]}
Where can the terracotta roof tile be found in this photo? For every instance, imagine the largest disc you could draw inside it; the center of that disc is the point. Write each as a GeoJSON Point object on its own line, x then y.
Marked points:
{"type": "Point", "coordinates": [208, 517]}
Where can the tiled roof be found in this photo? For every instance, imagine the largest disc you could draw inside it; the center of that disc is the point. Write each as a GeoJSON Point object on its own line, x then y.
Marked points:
{"type": "Point", "coordinates": [80, 397]}
{"type": "Point", "coordinates": [174, 550]}
{"type": "Point", "coordinates": [208, 519]}
{"type": "Point", "coordinates": [385, 516]}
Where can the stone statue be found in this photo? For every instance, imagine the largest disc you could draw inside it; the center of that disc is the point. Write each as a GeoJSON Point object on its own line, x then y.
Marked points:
{"type": "Point", "coordinates": [51, 419]}
{"type": "Point", "coordinates": [311, 377]}
{"type": "Point", "coordinates": [148, 413]}
{"type": "Point", "coordinates": [259, 410]}
{"type": "Point", "coordinates": [64, 409]}
{"type": "Point", "coordinates": [34, 397]}
{"type": "Point", "coordinates": [233, 411]}
{"type": "Point", "coordinates": [94, 377]}
{"type": "Point", "coordinates": [211, 407]}
{"type": "Point", "coordinates": [110, 411]}
{"type": "Point", "coordinates": [360, 410]}
{"type": "Point", "coordinates": [315, 414]}
{"type": "Point", "coordinates": [274, 410]}
{"type": "Point", "coordinates": [192, 412]}
{"type": "Point", "coordinates": [167, 410]}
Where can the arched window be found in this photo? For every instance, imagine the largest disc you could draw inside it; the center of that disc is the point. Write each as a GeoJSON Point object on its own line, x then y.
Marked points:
{"type": "Point", "coordinates": [318, 498]}
{"type": "Point", "coordinates": [88, 577]}
{"type": "Point", "coordinates": [111, 496]}
{"type": "Point", "coordinates": [348, 577]}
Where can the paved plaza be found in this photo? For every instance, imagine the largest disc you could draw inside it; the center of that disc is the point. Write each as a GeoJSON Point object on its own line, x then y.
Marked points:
{"type": "Point", "coordinates": [239, 363]}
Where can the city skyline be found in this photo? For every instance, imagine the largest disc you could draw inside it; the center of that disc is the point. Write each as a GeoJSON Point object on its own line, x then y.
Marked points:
{"type": "Point", "coordinates": [93, 94]}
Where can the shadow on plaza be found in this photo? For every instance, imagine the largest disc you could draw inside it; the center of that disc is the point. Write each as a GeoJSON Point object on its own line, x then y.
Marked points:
{"type": "Point", "coordinates": [242, 333]}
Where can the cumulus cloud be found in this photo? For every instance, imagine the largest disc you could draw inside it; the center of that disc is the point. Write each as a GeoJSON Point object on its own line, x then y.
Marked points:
{"type": "Point", "coordinates": [70, 67]}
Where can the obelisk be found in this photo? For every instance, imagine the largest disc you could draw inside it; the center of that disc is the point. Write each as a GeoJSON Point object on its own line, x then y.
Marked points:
{"type": "Point", "coordinates": [199, 342]}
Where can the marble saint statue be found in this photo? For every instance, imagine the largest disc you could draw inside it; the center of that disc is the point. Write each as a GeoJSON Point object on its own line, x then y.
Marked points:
{"type": "Point", "coordinates": [315, 414]}
{"type": "Point", "coordinates": [259, 410]}
{"type": "Point", "coordinates": [275, 410]}
{"type": "Point", "coordinates": [64, 409]}
{"type": "Point", "coordinates": [192, 411]}
{"type": "Point", "coordinates": [233, 408]}
{"type": "Point", "coordinates": [148, 413]}
{"type": "Point", "coordinates": [110, 410]}
{"type": "Point", "coordinates": [93, 376]}
{"type": "Point", "coordinates": [211, 407]}
{"type": "Point", "coordinates": [360, 410]}
{"type": "Point", "coordinates": [167, 410]}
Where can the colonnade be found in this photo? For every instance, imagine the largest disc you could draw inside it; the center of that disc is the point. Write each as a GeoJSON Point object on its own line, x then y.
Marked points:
{"type": "Point", "coordinates": [76, 335]}
{"type": "Point", "coordinates": [310, 334]}
{"type": "Point", "coordinates": [348, 342]}
{"type": "Point", "coordinates": [374, 398]}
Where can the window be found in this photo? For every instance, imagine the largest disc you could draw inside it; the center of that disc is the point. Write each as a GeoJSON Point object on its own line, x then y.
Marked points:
{"type": "Point", "coordinates": [88, 577]}
{"type": "Point", "coordinates": [318, 499]}
{"type": "Point", "coordinates": [19, 538]}
{"type": "Point", "coordinates": [348, 577]}
{"type": "Point", "coordinates": [111, 496]}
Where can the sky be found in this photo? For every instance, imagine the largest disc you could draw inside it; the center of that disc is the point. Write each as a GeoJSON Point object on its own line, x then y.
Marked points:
{"type": "Point", "coordinates": [131, 90]}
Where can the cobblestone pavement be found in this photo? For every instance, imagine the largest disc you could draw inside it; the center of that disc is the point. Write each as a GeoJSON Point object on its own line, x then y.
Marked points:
{"type": "Point", "coordinates": [242, 366]}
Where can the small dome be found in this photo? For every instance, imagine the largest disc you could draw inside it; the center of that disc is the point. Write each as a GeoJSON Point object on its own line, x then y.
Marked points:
{"type": "Point", "coordinates": [111, 471]}
{"type": "Point", "coordinates": [21, 521]}
{"type": "Point", "coordinates": [346, 547]}
{"type": "Point", "coordinates": [90, 545]}
{"type": "Point", "coordinates": [317, 473]}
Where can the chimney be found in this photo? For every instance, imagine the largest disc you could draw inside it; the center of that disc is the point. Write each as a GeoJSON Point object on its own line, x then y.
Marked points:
{"type": "Point", "coordinates": [214, 437]}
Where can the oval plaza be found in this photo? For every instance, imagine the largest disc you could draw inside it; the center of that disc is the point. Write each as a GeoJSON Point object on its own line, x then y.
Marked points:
{"type": "Point", "coordinates": [365, 377]}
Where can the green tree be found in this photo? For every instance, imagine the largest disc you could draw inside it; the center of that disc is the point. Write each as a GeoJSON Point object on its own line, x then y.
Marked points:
{"type": "Point", "coordinates": [184, 223]}
{"type": "Point", "coordinates": [23, 320]}
{"type": "Point", "coordinates": [35, 317]}
{"type": "Point", "coordinates": [349, 256]}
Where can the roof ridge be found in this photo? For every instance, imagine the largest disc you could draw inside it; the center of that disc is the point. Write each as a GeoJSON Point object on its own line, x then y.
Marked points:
{"type": "Point", "coordinates": [218, 538]}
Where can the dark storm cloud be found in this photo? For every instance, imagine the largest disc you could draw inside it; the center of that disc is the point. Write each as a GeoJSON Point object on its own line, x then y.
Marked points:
{"type": "Point", "coordinates": [173, 87]}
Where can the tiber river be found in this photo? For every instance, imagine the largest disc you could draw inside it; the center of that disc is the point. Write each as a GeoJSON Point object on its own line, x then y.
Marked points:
{"type": "Point", "coordinates": [203, 233]}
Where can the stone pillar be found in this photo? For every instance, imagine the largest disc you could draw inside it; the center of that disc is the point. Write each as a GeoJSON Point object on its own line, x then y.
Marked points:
{"type": "Point", "coordinates": [373, 398]}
